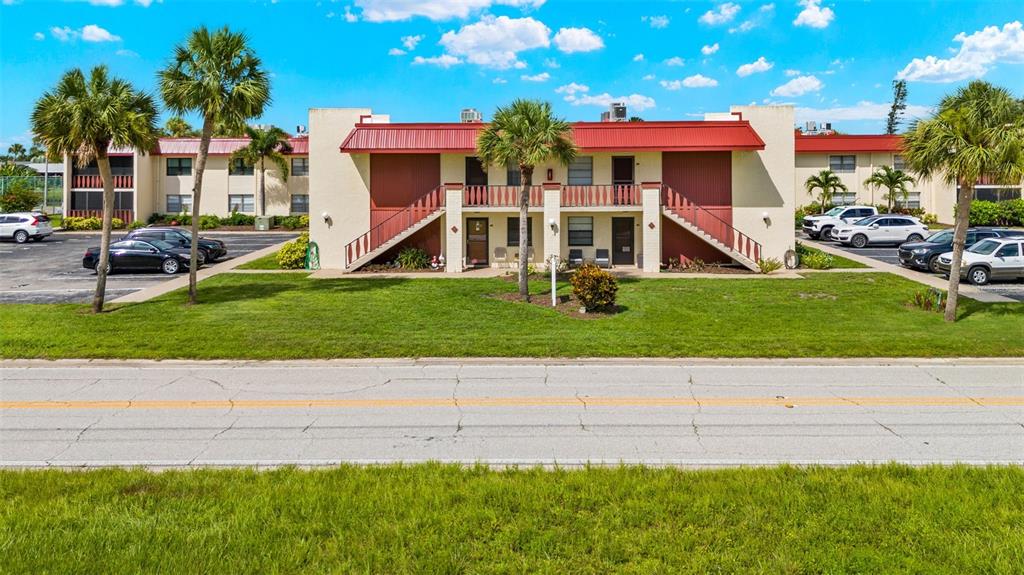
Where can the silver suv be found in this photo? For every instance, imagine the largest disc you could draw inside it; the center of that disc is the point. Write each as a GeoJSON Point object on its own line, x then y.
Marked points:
{"type": "Point", "coordinates": [23, 226]}
{"type": "Point", "coordinates": [820, 226]}
{"type": "Point", "coordinates": [994, 258]}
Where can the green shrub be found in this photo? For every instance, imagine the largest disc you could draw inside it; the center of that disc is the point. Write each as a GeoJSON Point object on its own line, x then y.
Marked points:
{"type": "Point", "coordinates": [292, 222]}
{"type": "Point", "coordinates": [136, 225]}
{"type": "Point", "coordinates": [237, 219]}
{"type": "Point", "coordinates": [594, 287]}
{"type": "Point", "coordinates": [155, 218]}
{"type": "Point", "coordinates": [1008, 213]}
{"type": "Point", "coordinates": [304, 221]}
{"type": "Point", "coordinates": [293, 255]}
{"type": "Point", "coordinates": [115, 224]}
{"type": "Point", "coordinates": [931, 300]}
{"type": "Point", "coordinates": [209, 222]}
{"type": "Point", "coordinates": [179, 220]}
{"type": "Point", "coordinates": [19, 197]}
{"type": "Point", "coordinates": [75, 224]}
{"type": "Point", "coordinates": [410, 258]}
{"type": "Point", "coordinates": [817, 260]}
{"type": "Point", "coordinates": [929, 219]}
{"type": "Point", "coordinates": [769, 265]}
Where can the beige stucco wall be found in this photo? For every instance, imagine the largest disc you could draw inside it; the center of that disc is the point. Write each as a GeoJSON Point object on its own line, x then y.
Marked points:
{"type": "Point", "coordinates": [144, 196]}
{"type": "Point", "coordinates": [762, 181]}
{"type": "Point", "coordinates": [602, 231]}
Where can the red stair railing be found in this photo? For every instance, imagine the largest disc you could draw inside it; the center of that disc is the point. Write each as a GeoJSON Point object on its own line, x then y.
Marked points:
{"type": "Point", "coordinates": [710, 223]}
{"type": "Point", "coordinates": [395, 224]}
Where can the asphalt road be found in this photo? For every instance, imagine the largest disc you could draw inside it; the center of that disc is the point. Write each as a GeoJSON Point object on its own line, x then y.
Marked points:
{"type": "Point", "coordinates": [51, 271]}
{"type": "Point", "coordinates": [657, 412]}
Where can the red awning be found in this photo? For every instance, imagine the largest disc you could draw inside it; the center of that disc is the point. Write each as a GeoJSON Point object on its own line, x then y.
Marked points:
{"type": "Point", "coordinates": [842, 143]}
{"type": "Point", "coordinates": [589, 136]}
{"type": "Point", "coordinates": [219, 146]}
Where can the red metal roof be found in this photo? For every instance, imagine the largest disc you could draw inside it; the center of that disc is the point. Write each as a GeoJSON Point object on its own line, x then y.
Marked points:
{"type": "Point", "coordinates": [589, 136]}
{"type": "Point", "coordinates": [219, 146]}
{"type": "Point", "coordinates": [848, 143]}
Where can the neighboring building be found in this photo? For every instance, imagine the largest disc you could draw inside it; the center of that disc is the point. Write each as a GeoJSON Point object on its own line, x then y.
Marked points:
{"type": "Point", "coordinates": [161, 182]}
{"type": "Point", "coordinates": [644, 193]}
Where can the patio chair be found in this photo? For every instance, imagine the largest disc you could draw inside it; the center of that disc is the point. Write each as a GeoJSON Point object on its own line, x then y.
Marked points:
{"type": "Point", "coordinates": [500, 256]}
{"type": "Point", "coordinates": [601, 259]}
{"type": "Point", "coordinates": [575, 258]}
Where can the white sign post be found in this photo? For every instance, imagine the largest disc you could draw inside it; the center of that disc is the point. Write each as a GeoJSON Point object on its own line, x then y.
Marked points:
{"type": "Point", "coordinates": [553, 266]}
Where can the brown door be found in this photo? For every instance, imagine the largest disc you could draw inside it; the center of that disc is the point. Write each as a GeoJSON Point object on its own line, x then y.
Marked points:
{"type": "Point", "coordinates": [476, 241]}
{"type": "Point", "coordinates": [475, 174]}
{"type": "Point", "coordinates": [622, 170]}
{"type": "Point", "coordinates": [622, 241]}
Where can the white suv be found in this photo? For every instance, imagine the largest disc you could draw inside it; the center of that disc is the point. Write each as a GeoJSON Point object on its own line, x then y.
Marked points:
{"type": "Point", "coordinates": [22, 226]}
{"type": "Point", "coordinates": [821, 225]}
{"type": "Point", "coordinates": [994, 258]}
{"type": "Point", "coordinates": [886, 229]}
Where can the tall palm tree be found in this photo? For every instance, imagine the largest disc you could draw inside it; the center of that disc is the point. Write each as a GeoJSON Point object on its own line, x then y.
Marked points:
{"type": "Point", "coordinates": [218, 75]}
{"type": "Point", "coordinates": [270, 144]}
{"type": "Point", "coordinates": [896, 181]}
{"type": "Point", "coordinates": [177, 127]}
{"type": "Point", "coordinates": [525, 134]}
{"type": "Point", "coordinates": [976, 131]}
{"type": "Point", "coordinates": [85, 117]}
{"type": "Point", "coordinates": [17, 152]}
{"type": "Point", "coordinates": [827, 182]}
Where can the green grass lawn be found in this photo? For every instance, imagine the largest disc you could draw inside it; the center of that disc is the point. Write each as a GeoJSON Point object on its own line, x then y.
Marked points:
{"type": "Point", "coordinates": [444, 519]}
{"type": "Point", "coordinates": [282, 316]}
{"type": "Point", "coordinates": [267, 262]}
{"type": "Point", "coordinates": [838, 262]}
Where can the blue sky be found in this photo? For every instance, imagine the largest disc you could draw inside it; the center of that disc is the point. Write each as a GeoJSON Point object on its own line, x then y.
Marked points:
{"type": "Point", "coordinates": [424, 60]}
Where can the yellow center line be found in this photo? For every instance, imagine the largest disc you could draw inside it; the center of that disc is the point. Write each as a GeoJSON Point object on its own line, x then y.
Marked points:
{"type": "Point", "coordinates": [894, 401]}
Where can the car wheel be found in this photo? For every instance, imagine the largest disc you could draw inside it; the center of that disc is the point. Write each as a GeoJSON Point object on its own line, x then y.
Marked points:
{"type": "Point", "coordinates": [170, 266]}
{"type": "Point", "coordinates": [201, 257]}
{"type": "Point", "coordinates": [825, 233]}
{"type": "Point", "coordinates": [933, 265]}
{"type": "Point", "coordinates": [914, 238]}
{"type": "Point", "coordinates": [859, 241]}
{"type": "Point", "coordinates": [110, 267]}
{"type": "Point", "coordinates": [978, 276]}
{"type": "Point", "coordinates": [21, 236]}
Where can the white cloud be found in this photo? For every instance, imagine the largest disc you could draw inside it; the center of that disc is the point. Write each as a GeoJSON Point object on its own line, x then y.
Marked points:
{"type": "Point", "coordinates": [571, 89]}
{"type": "Point", "coordinates": [551, 63]}
{"type": "Point", "coordinates": [638, 58]}
{"type": "Point", "coordinates": [675, 61]}
{"type": "Point", "coordinates": [437, 10]}
{"type": "Point", "coordinates": [724, 13]}
{"type": "Point", "coordinates": [695, 81]}
{"type": "Point", "coordinates": [126, 53]}
{"type": "Point", "coordinates": [64, 34]}
{"type": "Point", "coordinates": [638, 102]}
{"type": "Point", "coordinates": [798, 87]}
{"type": "Point", "coordinates": [709, 50]}
{"type": "Point", "coordinates": [410, 42]}
{"type": "Point", "coordinates": [396, 52]}
{"type": "Point", "coordinates": [115, 3]}
{"type": "Point", "coordinates": [649, 77]}
{"type": "Point", "coordinates": [542, 77]}
{"type": "Point", "coordinates": [791, 72]}
{"type": "Point", "coordinates": [499, 81]}
{"type": "Point", "coordinates": [864, 110]}
{"type": "Point", "coordinates": [442, 61]}
{"type": "Point", "coordinates": [756, 67]}
{"type": "Point", "coordinates": [349, 16]}
{"type": "Point", "coordinates": [496, 42]}
{"type": "Point", "coordinates": [39, 36]}
{"type": "Point", "coordinates": [978, 53]}
{"type": "Point", "coordinates": [571, 40]}
{"type": "Point", "coordinates": [763, 15]}
{"type": "Point", "coordinates": [813, 15]}
{"type": "Point", "coordinates": [93, 33]}
{"type": "Point", "coordinates": [656, 21]}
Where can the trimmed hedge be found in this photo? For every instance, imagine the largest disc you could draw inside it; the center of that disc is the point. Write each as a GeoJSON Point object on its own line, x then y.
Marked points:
{"type": "Point", "coordinates": [1008, 213]}
{"type": "Point", "coordinates": [292, 256]}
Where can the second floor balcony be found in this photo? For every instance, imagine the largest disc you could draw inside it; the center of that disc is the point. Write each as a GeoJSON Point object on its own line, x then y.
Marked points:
{"type": "Point", "coordinates": [95, 182]}
{"type": "Point", "coordinates": [599, 196]}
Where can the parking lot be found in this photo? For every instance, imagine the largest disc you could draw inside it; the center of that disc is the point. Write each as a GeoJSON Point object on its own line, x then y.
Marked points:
{"type": "Point", "coordinates": [887, 254]}
{"type": "Point", "coordinates": [51, 271]}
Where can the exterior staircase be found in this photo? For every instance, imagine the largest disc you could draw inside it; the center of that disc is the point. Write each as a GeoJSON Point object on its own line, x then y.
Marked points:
{"type": "Point", "coordinates": [704, 224]}
{"type": "Point", "coordinates": [397, 227]}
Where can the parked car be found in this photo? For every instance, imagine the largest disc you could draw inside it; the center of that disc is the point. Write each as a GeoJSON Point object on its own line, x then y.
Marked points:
{"type": "Point", "coordinates": [925, 254]}
{"type": "Point", "coordinates": [994, 258]}
{"type": "Point", "coordinates": [139, 255]}
{"type": "Point", "coordinates": [209, 250]}
{"type": "Point", "coordinates": [820, 226]}
{"type": "Point", "coordinates": [25, 226]}
{"type": "Point", "coordinates": [886, 229]}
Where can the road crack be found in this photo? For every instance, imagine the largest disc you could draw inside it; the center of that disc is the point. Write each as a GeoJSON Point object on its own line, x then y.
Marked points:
{"type": "Point", "coordinates": [693, 418]}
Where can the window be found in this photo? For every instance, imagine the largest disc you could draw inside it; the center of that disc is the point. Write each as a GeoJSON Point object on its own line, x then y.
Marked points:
{"type": "Point", "coordinates": [238, 167]}
{"type": "Point", "coordinates": [1008, 251]}
{"type": "Point", "coordinates": [898, 163]}
{"type": "Point", "coordinates": [300, 167]}
{"type": "Point", "coordinates": [844, 198]}
{"type": "Point", "coordinates": [179, 166]}
{"type": "Point", "coordinates": [581, 231]}
{"type": "Point", "coordinates": [515, 177]}
{"type": "Point", "coordinates": [512, 237]}
{"type": "Point", "coordinates": [913, 201]}
{"type": "Point", "coordinates": [241, 203]}
{"type": "Point", "coordinates": [179, 203]}
{"type": "Point", "coordinates": [581, 171]}
{"type": "Point", "coordinates": [93, 200]}
{"type": "Point", "coordinates": [300, 204]}
{"type": "Point", "coordinates": [993, 194]}
{"type": "Point", "coordinates": [842, 163]}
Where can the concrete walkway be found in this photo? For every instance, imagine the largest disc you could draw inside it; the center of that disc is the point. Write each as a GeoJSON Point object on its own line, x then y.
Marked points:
{"type": "Point", "coordinates": [477, 273]}
{"type": "Point", "coordinates": [938, 282]}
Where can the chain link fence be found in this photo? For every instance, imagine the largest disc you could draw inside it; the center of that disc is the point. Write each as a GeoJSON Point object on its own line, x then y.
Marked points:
{"type": "Point", "coordinates": [50, 188]}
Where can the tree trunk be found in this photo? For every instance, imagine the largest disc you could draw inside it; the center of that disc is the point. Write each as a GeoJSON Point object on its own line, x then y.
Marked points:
{"type": "Point", "coordinates": [108, 220]}
{"type": "Point", "coordinates": [963, 221]}
{"type": "Point", "coordinates": [263, 189]}
{"type": "Point", "coordinates": [197, 192]}
{"type": "Point", "coordinates": [526, 175]}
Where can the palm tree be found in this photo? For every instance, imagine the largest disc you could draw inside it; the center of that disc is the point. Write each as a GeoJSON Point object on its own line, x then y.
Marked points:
{"type": "Point", "coordinates": [177, 127]}
{"type": "Point", "coordinates": [86, 117]}
{"type": "Point", "coordinates": [271, 144]}
{"type": "Point", "coordinates": [976, 131]}
{"type": "Point", "coordinates": [525, 134]}
{"type": "Point", "coordinates": [826, 181]}
{"type": "Point", "coordinates": [219, 76]}
{"type": "Point", "coordinates": [896, 181]}
{"type": "Point", "coordinates": [17, 152]}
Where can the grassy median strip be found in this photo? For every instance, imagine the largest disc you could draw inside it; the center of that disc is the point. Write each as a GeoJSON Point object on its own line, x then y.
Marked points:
{"type": "Point", "coordinates": [289, 316]}
{"type": "Point", "coordinates": [267, 262]}
{"type": "Point", "coordinates": [446, 519]}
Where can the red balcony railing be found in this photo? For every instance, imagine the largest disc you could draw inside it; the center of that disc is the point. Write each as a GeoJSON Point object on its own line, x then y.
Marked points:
{"type": "Point", "coordinates": [96, 182]}
{"type": "Point", "coordinates": [126, 216]}
{"type": "Point", "coordinates": [710, 223]}
{"type": "Point", "coordinates": [499, 196]}
{"type": "Point", "coordinates": [394, 225]}
{"type": "Point", "coordinates": [601, 196]}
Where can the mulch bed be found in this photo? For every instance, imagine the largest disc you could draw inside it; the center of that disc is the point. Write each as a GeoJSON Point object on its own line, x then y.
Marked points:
{"type": "Point", "coordinates": [725, 270]}
{"type": "Point", "coordinates": [567, 305]}
{"type": "Point", "coordinates": [389, 269]}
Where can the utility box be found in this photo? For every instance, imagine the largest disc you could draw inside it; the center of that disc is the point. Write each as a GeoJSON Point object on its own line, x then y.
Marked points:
{"type": "Point", "coordinates": [262, 223]}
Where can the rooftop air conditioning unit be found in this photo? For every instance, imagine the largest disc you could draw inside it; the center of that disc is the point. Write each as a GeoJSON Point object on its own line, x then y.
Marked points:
{"type": "Point", "coordinates": [810, 127]}
{"type": "Point", "coordinates": [470, 116]}
{"type": "Point", "coordinates": [617, 112]}
{"type": "Point", "coordinates": [300, 130]}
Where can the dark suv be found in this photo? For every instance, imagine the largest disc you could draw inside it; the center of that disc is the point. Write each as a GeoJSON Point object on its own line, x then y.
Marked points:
{"type": "Point", "coordinates": [209, 250]}
{"type": "Point", "coordinates": [925, 254]}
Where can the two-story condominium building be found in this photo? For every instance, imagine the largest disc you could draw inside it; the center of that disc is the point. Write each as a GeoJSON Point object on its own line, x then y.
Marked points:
{"type": "Point", "coordinates": [639, 194]}
{"type": "Point", "coordinates": [161, 181]}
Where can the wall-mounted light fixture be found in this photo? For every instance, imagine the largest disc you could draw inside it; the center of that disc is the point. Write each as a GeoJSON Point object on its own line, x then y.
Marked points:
{"type": "Point", "coordinates": [551, 174]}
{"type": "Point", "coordinates": [767, 219]}
{"type": "Point", "coordinates": [326, 216]}
{"type": "Point", "coordinates": [553, 225]}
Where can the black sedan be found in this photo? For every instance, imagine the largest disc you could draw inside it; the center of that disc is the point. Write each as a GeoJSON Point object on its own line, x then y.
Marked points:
{"type": "Point", "coordinates": [209, 250]}
{"type": "Point", "coordinates": [925, 254]}
{"type": "Point", "coordinates": [138, 255]}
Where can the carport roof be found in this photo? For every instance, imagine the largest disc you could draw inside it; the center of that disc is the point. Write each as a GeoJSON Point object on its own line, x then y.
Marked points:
{"type": "Point", "coordinates": [844, 143]}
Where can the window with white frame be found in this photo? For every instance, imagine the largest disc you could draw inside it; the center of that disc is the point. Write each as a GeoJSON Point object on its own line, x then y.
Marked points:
{"type": "Point", "coordinates": [512, 232]}
{"type": "Point", "coordinates": [241, 203]}
{"type": "Point", "coordinates": [300, 166]}
{"type": "Point", "coordinates": [238, 167]}
{"type": "Point", "coordinates": [581, 171]}
{"type": "Point", "coordinates": [179, 166]}
{"type": "Point", "coordinates": [515, 177]}
{"type": "Point", "coordinates": [179, 203]}
{"type": "Point", "coordinates": [300, 204]}
{"type": "Point", "coordinates": [581, 231]}
{"type": "Point", "coordinates": [841, 198]}
{"type": "Point", "coordinates": [912, 201]}
{"type": "Point", "coordinates": [898, 163]}
{"type": "Point", "coordinates": [842, 163]}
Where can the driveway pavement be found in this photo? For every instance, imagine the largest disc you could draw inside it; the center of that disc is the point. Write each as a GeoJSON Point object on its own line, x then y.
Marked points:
{"type": "Point", "coordinates": [51, 271]}
{"type": "Point", "coordinates": [171, 414]}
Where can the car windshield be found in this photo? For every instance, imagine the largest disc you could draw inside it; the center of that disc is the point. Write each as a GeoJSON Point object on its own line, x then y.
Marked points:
{"type": "Point", "coordinates": [835, 211]}
{"type": "Point", "coordinates": [186, 233]}
{"type": "Point", "coordinates": [984, 247]}
{"type": "Point", "coordinates": [161, 244]}
{"type": "Point", "coordinates": [943, 237]}
{"type": "Point", "coordinates": [867, 221]}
